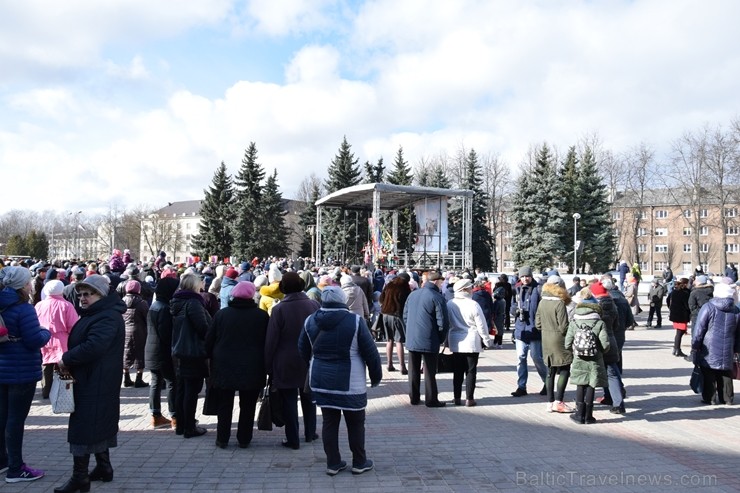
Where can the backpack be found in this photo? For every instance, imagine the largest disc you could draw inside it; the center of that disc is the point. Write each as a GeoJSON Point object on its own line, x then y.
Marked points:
{"type": "Point", "coordinates": [584, 342]}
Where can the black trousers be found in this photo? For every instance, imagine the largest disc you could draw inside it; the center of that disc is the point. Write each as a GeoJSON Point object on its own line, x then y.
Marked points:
{"type": "Point", "coordinates": [557, 394]}
{"type": "Point", "coordinates": [719, 383]}
{"type": "Point", "coordinates": [656, 311]}
{"type": "Point", "coordinates": [430, 377]}
{"type": "Point", "coordinates": [289, 398]}
{"type": "Point", "coordinates": [355, 421]}
{"type": "Point", "coordinates": [247, 406]}
{"type": "Point", "coordinates": [464, 365]}
{"type": "Point", "coordinates": [186, 401]}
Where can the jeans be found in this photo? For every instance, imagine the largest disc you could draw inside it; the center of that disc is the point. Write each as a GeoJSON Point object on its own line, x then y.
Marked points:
{"type": "Point", "coordinates": [464, 364]}
{"type": "Point", "coordinates": [289, 397]}
{"type": "Point", "coordinates": [355, 421]}
{"type": "Point", "coordinates": [247, 406]}
{"type": "Point", "coordinates": [430, 377]}
{"type": "Point", "coordinates": [522, 348]}
{"type": "Point", "coordinates": [158, 383]}
{"type": "Point", "coordinates": [615, 383]}
{"type": "Point", "coordinates": [15, 403]}
{"type": "Point", "coordinates": [186, 401]}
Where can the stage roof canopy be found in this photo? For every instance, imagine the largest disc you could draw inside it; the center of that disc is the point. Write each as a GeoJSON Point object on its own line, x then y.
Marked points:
{"type": "Point", "coordinates": [392, 197]}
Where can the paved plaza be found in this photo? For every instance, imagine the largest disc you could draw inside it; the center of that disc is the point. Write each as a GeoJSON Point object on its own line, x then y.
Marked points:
{"type": "Point", "coordinates": [667, 441]}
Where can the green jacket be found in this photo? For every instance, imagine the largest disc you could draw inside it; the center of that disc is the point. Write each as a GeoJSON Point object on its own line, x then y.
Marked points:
{"type": "Point", "coordinates": [552, 320]}
{"type": "Point", "coordinates": [588, 370]}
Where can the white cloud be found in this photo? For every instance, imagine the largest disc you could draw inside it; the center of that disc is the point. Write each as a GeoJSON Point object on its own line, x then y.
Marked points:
{"type": "Point", "coordinates": [283, 17]}
{"type": "Point", "coordinates": [136, 70]}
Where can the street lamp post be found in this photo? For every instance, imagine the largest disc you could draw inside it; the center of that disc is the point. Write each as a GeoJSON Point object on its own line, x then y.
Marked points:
{"type": "Point", "coordinates": [576, 217]}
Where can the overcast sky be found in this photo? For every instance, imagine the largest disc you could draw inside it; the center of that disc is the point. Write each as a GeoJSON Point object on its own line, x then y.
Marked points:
{"type": "Point", "coordinates": [134, 102]}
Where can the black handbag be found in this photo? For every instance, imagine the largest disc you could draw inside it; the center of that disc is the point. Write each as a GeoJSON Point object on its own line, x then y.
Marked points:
{"type": "Point", "coordinates": [210, 403]}
{"type": "Point", "coordinates": [697, 381]}
{"type": "Point", "coordinates": [445, 362]}
{"type": "Point", "coordinates": [264, 416]}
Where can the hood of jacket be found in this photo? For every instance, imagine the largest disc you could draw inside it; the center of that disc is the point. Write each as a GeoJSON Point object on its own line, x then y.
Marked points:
{"type": "Point", "coordinates": [181, 298]}
{"type": "Point", "coordinates": [272, 290]}
{"type": "Point", "coordinates": [556, 291]}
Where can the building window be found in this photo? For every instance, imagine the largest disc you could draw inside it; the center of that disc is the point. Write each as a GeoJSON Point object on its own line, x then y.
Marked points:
{"type": "Point", "coordinates": [507, 248]}
{"type": "Point", "coordinates": [187, 226]}
{"type": "Point", "coordinates": [687, 247]}
{"type": "Point", "coordinates": [730, 212]}
{"type": "Point", "coordinates": [661, 214]}
{"type": "Point", "coordinates": [660, 266]}
{"type": "Point", "coordinates": [642, 215]}
{"type": "Point", "coordinates": [704, 230]}
{"type": "Point", "coordinates": [704, 248]}
{"type": "Point", "coordinates": [661, 231]}
{"type": "Point", "coordinates": [703, 213]}
{"type": "Point", "coordinates": [661, 248]}
{"type": "Point", "coordinates": [507, 234]}
{"type": "Point", "coordinates": [732, 248]}
{"type": "Point", "coordinates": [508, 264]}
{"type": "Point", "coordinates": [687, 231]}
{"type": "Point", "coordinates": [641, 248]}
{"type": "Point", "coordinates": [731, 230]}
{"type": "Point", "coordinates": [187, 237]}
{"type": "Point", "coordinates": [643, 266]}
{"type": "Point", "coordinates": [641, 231]}
{"type": "Point", "coordinates": [507, 219]}
{"type": "Point", "coordinates": [687, 213]}
{"type": "Point", "coordinates": [617, 232]}
{"type": "Point", "coordinates": [686, 267]}
{"type": "Point", "coordinates": [617, 215]}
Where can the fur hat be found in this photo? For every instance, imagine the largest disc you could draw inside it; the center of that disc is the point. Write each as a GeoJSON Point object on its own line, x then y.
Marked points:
{"type": "Point", "coordinates": [274, 275]}
{"type": "Point", "coordinates": [96, 282]}
{"type": "Point", "coordinates": [244, 290]}
{"type": "Point", "coordinates": [291, 283]}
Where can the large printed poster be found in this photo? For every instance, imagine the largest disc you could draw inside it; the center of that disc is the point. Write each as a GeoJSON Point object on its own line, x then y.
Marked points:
{"type": "Point", "coordinates": [431, 225]}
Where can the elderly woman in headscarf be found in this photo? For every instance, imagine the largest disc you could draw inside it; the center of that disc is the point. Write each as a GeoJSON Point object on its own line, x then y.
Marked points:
{"type": "Point", "coordinates": [20, 369]}
{"type": "Point", "coordinates": [236, 345]}
{"type": "Point", "coordinates": [94, 360]}
{"type": "Point", "coordinates": [284, 364]}
{"type": "Point", "coordinates": [59, 316]}
{"type": "Point", "coordinates": [715, 341]}
{"type": "Point", "coordinates": [311, 290]}
{"type": "Point", "coordinates": [468, 332]}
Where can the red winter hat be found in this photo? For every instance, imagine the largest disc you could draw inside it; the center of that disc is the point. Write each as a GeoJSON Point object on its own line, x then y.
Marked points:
{"type": "Point", "coordinates": [231, 273]}
{"type": "Point", "coordinates": [598, 289]}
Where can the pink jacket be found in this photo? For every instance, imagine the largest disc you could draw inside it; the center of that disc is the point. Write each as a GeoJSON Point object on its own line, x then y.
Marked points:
{"type": "Point", "coordinates": [59, 316]}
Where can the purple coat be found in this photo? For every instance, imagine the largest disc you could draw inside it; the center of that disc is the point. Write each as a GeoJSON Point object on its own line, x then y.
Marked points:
{"type": "Point", "coordinates": [282, 359]}
{"type": "Point", "coordinates": [715, 336]}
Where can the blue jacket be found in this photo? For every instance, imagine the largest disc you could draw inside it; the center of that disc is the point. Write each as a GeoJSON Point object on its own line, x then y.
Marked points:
{"type": "Point", "coordinates": [227, 284]}
{"type": "Point", "coordinates": [20, 360]}
{"type": "Point", "coordinates": [716, 335]}
{"type": "Point", "coordinates": [426, 319]}
{"type": "Point", "coordinates": [529, 298]}
{"type": "Point", "coordinates": [338, 345]}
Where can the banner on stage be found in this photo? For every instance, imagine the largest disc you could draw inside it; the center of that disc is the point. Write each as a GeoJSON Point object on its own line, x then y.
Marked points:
{"type": "Point", "coordinates": [431, 225]}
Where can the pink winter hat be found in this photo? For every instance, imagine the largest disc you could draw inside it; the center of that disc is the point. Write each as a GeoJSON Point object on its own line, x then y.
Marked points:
{"type": "Point", "coordinates": [133, 287]}
{"type": "Point", "coordinates": [244, 290]}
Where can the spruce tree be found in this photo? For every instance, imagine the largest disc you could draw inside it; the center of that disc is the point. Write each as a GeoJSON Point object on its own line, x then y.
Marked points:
{"type": "Point", "coordinates": [481, 234]}
{"type": "Point", "coordinates": [375, 173]}
{"type": "Point", "coordinates": [216, 217]}
{"type": "Point", "coordinates": [248, 223]}
{"type": "Point", "coordinates": [274, 234]}
{"type": "Point", "coordinates": [595, 226]}
{"type": "Point", "coordinates": [402, 175]}
{"type": "Point", "coordinates": [339, 233]}
{"type": "Point", "coordinates": [538, 215]}
{"type": "Point", "coordinates": [568, 178]}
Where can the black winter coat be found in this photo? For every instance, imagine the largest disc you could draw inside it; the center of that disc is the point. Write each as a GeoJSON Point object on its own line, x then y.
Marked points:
{"type": "Point", "coordinates": [678, 306]}
{"type": "Point", "coordinates": [485, 300]}
{"type": "Point", "coordinates": [698, 297]}
{"type": "Point", "coordinates": [158, 353]}
{"type": "Point", "coordinates": [610, 316]}
{"type": "Point", "coordinates": [95, 352]}
{"type": "Point", "coordinates": [190, 322]}
{"type": "Point", "coordinates": [236, 345]}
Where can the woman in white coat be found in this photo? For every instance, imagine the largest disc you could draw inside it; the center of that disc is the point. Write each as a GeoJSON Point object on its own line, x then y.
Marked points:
{"type": "Point", "coordinates": [468, 332]}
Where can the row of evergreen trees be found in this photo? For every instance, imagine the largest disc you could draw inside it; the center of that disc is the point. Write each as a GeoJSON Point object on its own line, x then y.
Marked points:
{"type": "Point", "coordinates": [547, 196]}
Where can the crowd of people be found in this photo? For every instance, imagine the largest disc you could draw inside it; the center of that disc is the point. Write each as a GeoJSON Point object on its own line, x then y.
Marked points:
{"type": "Point", "coordinates": [311, 333]}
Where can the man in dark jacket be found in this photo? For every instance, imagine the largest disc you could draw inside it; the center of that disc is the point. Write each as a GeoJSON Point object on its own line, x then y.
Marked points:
{"type": "Point", "coordinates": [526, 335]}
{"type": "Point", "coordinates": [363, 283]}
{"type": "Point", "coordinates": [613, 394]}
{"type": "Point", "coordinates": [624, 311]}
{"type": "Point", "coordinates": [700, 294]}
{"type": "Point", "coordinates": [158, 354]}
{"type": "Point", "coordinates": [655, 298]}
{"type": "Point", "coordinates": [575, 287]}
{"type": "Point", "coordinates": [427, 323]}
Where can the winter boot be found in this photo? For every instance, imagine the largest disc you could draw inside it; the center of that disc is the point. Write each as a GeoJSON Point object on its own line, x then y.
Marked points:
{"type": "Point", "coordinates": [103, 470]}
{"type": "Point", "coordinates": [580, 415]}
{"type": "Point", "coordinates": [127, 382]}
{"type": "Point", "coordinates": [80, 480]}
{"type": "Point", "coordinates": [589, 417]}
{"type": "Point", "coordinates": [139, 383]}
